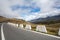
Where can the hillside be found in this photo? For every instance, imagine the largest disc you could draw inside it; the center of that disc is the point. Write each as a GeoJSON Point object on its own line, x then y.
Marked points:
{"type": "Point", "coordinates": [48, 20]}
{"type": "Point", "coordinates": [52, 23]}
{"type": "Point", "coordinates": [13, 20]}
{"type": "Point", "coordinates": [3, 19]}
{"type": "Point", "coordinates": [52, 28]}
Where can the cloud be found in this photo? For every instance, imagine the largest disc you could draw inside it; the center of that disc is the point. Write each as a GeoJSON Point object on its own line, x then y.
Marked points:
{"type": "Point", "coordinates": [6, 11]}
{"type": "Point", "coordinates": [48, 8]}
{"type": "Point", "coordinates": [29, 9]}
{"type": "Point", "coordinates": [16, 8]}
{"type": "Point", "coordinates": [42, 15]}
{"type": "Point", "coordinates": [57, 4]}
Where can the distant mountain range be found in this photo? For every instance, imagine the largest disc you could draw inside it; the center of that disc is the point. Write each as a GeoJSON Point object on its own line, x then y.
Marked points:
{"type": "Point", "coordinates": [47, 19]}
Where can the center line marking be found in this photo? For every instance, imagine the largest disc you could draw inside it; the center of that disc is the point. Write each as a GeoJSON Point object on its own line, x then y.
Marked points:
{"type": "Point", "coordinates": [2, 33]}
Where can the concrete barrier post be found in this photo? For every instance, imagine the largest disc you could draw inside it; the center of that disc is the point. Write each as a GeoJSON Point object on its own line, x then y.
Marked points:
{"type": "Point", "coordinates": [28, 27]}
{"type": "Point", "coordinates": [16, 25]}
{"type": "Point", "coordinates": [41, 28]}
{"type": "Point", "coordinates": [59, 32]}
{"type": "Point", "coordinates": [21, 26]}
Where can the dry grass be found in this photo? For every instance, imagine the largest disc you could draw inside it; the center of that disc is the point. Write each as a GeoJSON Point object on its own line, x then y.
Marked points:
{"type": "Point", "coordinates": [2, 19]}
{"type": "Point", "coordinates": [53, 28]}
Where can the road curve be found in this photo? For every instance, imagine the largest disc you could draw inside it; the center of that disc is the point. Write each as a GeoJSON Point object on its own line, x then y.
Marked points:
{"type": "Point", "coordinates": [13, 33]}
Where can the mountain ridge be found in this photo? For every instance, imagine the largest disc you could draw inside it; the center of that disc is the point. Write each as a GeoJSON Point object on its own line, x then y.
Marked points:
{"type": "Point", "coordinates": [47, 19]}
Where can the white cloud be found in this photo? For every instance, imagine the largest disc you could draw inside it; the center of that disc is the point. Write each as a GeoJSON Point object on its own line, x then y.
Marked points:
{"type": "Point", "coordinates": [48, 8]}
{"type": "Point", "coordinates": [42, 15]}
{"type": "Point", "coordinates": [29, 17]}
{"type": "Point", "coordinates": [6, 11]}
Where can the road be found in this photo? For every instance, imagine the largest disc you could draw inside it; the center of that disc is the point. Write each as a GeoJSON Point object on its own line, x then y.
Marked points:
{"type": "Point", "coordinates": [0, 31]}
{"type": "Point", "coordinates": [13, 33]}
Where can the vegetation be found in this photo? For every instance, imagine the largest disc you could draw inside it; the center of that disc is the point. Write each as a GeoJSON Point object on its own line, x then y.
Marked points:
{"type": "Point", "coordinates": [3, 19]}
{"type": "Point", "coordinates": [13, 20]}
{"type": "Point", "coordinates": [51, 26]}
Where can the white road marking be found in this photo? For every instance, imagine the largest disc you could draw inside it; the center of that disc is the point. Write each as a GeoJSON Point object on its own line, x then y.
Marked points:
{"type": "Point", "coordinates": [2, 33]}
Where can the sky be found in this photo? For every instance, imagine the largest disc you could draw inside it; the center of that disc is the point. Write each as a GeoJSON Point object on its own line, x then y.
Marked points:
{"type": "Point", "coordinates": [29, 9]}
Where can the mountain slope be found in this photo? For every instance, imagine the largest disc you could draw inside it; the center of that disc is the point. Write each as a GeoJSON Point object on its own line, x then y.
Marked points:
{"type": "Point", "coordinates": [3, 19]}
{"type": "Point", "coordinates": [52, 19]}
{"type": "Point", "coordinates": [13, 20]}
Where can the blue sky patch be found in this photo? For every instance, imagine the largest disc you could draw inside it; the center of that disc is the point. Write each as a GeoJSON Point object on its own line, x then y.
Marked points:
{"type": "Point", "coordinates": [31, 8]}
{"type": "Point", "coordinates": [35, 9]}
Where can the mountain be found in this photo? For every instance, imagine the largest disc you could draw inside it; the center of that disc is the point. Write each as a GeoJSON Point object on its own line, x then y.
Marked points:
{"type": "Point", "coordinates": [52, 19]}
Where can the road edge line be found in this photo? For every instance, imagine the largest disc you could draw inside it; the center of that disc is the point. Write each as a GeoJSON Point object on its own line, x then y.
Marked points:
{"type": "Point", "coordinates": [2, 33]}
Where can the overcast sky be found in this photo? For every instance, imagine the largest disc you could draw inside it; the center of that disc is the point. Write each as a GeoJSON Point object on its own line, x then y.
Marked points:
{"type": "Point", "coordinates": [29, 9]}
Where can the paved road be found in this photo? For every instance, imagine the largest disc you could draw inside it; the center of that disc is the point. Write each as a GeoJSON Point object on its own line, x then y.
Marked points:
{"type": "Point", "coordinates": [0, 31]}
{"type": "Point", "coordinates": [13, 33]}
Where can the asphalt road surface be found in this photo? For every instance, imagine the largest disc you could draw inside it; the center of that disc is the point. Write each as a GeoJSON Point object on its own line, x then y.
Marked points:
{"type": "Point", "coordinates": [0, 31]}
{"type": "Point", "coordinates": [13, 33]}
